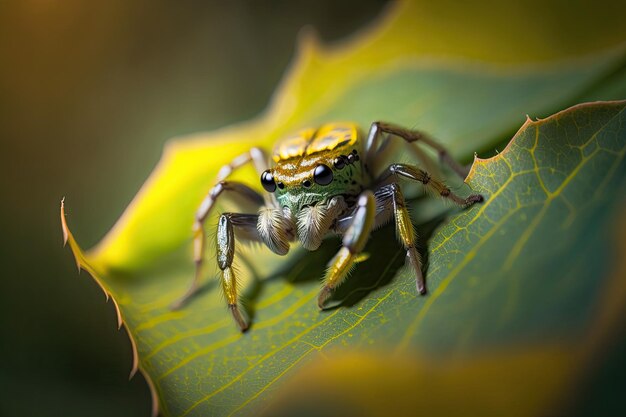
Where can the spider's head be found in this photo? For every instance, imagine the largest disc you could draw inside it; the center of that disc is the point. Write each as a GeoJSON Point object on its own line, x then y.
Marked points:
{"type": "Point", "coordinates": [299, 182]}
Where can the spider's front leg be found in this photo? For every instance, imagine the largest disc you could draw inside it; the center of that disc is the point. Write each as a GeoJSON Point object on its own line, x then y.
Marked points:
{"type": "Point", "coordinates": [225, 238]}
{"type": "Point", "coordinates": [259, 160]}
{"type": "Point", "coordinates": [354, 239]}
{"type": "Point", "coordinates": [271, 227]}
{"type": "Point", "coordinates": [198, 228]}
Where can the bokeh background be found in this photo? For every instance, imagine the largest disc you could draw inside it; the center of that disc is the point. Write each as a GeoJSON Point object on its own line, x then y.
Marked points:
{"type": "Point", "coordinates": [89, 93]}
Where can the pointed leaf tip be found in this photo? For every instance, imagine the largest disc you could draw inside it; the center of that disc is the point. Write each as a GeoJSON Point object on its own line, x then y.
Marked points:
{"type": "Point", "coordinates": [63, 223]}
{"type": "Point", "coordinates": [308, 39]}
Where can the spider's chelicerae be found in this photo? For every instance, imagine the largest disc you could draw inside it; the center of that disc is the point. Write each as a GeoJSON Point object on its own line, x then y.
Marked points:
{"type": "Point", "coordinates": [329, 180]}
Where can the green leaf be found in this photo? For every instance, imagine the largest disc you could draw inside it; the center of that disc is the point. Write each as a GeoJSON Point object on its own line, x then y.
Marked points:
{"type": "Point", "coordinates": [469, 95]}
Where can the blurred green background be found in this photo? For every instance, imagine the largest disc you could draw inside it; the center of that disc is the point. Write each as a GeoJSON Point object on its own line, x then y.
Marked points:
{"type": "Point", "coordinates": [89, 93]}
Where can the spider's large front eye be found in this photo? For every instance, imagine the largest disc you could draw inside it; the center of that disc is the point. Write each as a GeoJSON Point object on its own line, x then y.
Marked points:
{"type": "Point", "coordinates": [267, 181]}
{"type": "Point", "coordinates": [323, 175]}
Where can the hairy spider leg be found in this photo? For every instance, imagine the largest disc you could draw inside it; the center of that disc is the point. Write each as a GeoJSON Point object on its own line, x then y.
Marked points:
{"type": "Point", "coordinates": [247, 224]}
{"type": "Point", "coordinates": [404, 226]}
{"type": "Point", "coordinates": [259, 159]}
{"type": "Point", "coordinates": [390, 198]}
{"type": "Point", "coordinates": [198, 228]}
{"type": "Point", "coordinates": [411, 136]}
{"type": "Point", "coordinates": [398, 171]}
{"type": "Point", "coordinates": [354, 239]}
{"type": "Point", "coordinates": [270, 226]}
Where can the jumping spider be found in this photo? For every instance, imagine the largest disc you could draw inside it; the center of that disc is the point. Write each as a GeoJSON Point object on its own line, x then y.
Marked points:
{"type": "Point", "coordinates": [323, 181]}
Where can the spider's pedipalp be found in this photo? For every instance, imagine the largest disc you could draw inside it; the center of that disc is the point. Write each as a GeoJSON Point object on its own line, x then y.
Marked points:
{"type": "Point", "coordinates": [275, 229]}
{"type": "Point", "coordinates": [315, 221]}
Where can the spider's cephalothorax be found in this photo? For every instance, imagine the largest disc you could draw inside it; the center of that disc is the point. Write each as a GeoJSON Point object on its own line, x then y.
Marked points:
{"type": "Point", "coordinates": [316, 165]}
{"type": "Point", "coordinates": [323, 181]}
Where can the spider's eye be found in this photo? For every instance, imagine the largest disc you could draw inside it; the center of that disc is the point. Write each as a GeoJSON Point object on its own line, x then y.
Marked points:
{"type": "Point", "coordinates": [267, 181]}
{"type": "Point", "coordinates": [339, 163]}
{"type": "Point", "coordinates": [323, 175]}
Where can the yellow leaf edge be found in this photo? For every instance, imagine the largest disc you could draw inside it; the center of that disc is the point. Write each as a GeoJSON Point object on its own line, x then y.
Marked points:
{"type": "Point", "coordinates": [530, 123]}
{"type": "Point", "coordinates": [82, 263]}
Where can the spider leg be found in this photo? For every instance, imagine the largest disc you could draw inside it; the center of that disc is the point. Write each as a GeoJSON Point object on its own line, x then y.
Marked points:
{"type": "Point", "coordinates": [354, 239]}
{"type": "Point", "coordinates": [413, 173]}
{"type": "Point", "coordinates": [271, 226]}
{"type": "Point", "coordinates": [245, 223]}
{"type": "Point", "coordinates": [255, 155]}
{"type": "Point", "coordinates": [259, 159]}
{"type": "Point", "coordinates": [198, 227]}
{"type": "Point", "coordinates": [390, 198]}
{"type": "Point", "coordinates": [411, 136]}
